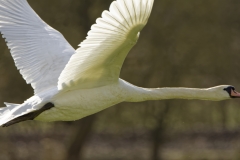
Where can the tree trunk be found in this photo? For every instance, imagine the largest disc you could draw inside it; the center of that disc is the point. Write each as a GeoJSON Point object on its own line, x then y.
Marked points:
{"type": "Point", "coordinates": [158, 133]}
{"type": "Point", "coordinates": [82, 133]}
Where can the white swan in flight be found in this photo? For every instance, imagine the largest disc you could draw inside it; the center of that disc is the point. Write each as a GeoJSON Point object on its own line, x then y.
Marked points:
{"type": "Point", "coordinates": [71, 84]}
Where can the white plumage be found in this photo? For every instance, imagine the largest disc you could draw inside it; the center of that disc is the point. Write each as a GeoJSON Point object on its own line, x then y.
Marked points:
{"type": "Point", "coordinates": [82, 82]}
{"type": "Point", "coordinates": [39, 52]}
{"type": "Point", "coordinates": [99, 58]}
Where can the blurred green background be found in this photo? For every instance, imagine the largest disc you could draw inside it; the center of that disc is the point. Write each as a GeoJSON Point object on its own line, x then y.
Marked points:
{"type": "Point", "coordinates": [185, 43]}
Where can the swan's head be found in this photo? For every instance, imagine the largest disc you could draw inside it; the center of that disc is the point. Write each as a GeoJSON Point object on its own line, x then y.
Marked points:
{"type": "Point", "coordinates": [225, 92]}
{"type": "Point", "coordinates": [232, 92]}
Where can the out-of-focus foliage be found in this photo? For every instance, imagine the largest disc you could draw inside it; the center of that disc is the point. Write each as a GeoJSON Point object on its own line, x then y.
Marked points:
{"type": "Point", "coordinates": [185, 43]}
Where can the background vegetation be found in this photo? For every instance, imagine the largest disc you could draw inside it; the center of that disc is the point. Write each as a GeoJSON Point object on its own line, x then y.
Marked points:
{"type": "Point", "coordinates": [186, 43]}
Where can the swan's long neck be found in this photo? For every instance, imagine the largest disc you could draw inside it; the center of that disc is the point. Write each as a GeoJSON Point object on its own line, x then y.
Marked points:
{"type": "Point", "coordinates": [138, 94]}
{"type": "Point", "coordinates": [144, 94]}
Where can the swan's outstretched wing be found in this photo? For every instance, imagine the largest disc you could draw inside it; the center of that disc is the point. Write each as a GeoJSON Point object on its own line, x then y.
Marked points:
{"type": "Point", "coordinates": [39, 51]}
{"type": "Point", "coordinates": [99, 59]}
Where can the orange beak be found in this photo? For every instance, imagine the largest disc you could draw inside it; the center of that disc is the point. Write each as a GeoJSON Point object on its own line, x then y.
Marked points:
{"type": "Point", "coordinates": [235, 94]}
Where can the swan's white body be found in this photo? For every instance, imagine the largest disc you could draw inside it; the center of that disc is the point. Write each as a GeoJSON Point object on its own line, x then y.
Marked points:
{"type": "Point", "coordinates": [85, 81]}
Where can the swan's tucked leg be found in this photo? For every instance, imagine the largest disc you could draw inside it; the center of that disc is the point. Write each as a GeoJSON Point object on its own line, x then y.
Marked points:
{"type": "Point", "coordinates": [29, 116]}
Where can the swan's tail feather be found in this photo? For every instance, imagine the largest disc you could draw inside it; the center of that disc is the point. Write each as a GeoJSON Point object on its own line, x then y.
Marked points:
{"type": "Point", "coordinates": [5, 112]}
{"type": "Point", "coordinates": [10, 105]}
{"type": "Point", "coordinates": [7, 119]}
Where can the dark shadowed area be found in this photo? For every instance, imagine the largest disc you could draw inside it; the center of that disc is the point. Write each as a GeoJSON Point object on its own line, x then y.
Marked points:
{"type": "Point", "coordinates": [185, 43]}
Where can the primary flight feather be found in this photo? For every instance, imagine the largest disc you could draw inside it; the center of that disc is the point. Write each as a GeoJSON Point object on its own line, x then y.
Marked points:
{"type": "Point", "coordinates": [69, 84]}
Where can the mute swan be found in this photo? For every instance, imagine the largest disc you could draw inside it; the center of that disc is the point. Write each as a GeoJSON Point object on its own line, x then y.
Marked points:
{"type": "Point", "coordinates": [68, 84]}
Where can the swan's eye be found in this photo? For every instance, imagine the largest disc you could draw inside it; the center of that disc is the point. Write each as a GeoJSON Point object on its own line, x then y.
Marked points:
{"type": "Point", "coordinates": [229, 89]}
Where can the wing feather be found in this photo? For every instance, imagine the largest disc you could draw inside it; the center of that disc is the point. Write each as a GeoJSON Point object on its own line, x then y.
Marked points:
{"type": "Point", "coordinates": [99, 58]}
{"type": "Point", "coordinates": [39, 51]}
